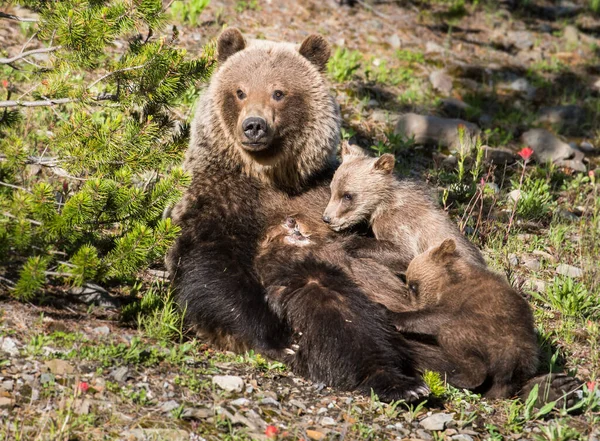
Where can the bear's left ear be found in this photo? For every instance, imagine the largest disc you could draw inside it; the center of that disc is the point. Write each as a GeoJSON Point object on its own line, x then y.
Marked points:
{"type": "Point", "coordinates": [316, 50]}
{"type": "Point", "coordinates": [446, 250]}
{"type": "Point", "coordinates": [385, 163]}
{"type": "Point", "coordinates": [230, 41]}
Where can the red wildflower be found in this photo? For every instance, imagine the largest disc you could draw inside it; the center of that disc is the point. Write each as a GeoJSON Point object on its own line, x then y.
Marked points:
{"type": "Point", "coordinates": [591, 385]}
{"type": "Point", "coordinates": [526, 153]}
{"type": "Point", "coordinates": [271, 431]}
{"type": "Point", "coordinates": [4, 83]}
{"type": "Point", "coordinates": [591, 174]}
{"type": "Point", "coordinates": [83, 386]}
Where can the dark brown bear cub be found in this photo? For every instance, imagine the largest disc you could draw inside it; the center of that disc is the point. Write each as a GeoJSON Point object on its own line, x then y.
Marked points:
{"type": "Point", "coordinates": [483, 325]}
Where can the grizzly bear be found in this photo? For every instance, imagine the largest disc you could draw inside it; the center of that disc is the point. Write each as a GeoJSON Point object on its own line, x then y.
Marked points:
{"type": "Point", "coordinates": [483, 325]}
{"type": "Point", "coordinates": [365, 189]}
{"type": "Point", "coordinates": [263, 144]}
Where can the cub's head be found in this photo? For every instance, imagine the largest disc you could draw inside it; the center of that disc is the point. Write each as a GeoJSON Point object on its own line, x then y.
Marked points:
{"type": "Point", "coordinates": [273, 103]}
{"type": "Point", "coordinates": [432, 272]}
{"type": "Point", "coordinates": [359, 186]}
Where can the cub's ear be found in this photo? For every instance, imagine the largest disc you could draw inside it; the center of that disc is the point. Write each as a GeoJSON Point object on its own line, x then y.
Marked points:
{"type": "Point", "coordinates": [385, 163]}
{"type": "Point", "coordinates": [444, 251]}
{"type": "Point", "coordinates": [316, 50]}
{"type": "Point", "coordinates": [230, 41]}
{"type": "Point", "coordinates": [351, 150]}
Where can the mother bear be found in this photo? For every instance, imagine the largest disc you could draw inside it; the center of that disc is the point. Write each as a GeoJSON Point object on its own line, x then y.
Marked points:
{"type": "Point", "coordinates": [262, 147]}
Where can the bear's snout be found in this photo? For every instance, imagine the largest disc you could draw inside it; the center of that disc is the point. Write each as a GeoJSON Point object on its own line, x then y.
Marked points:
{"type": "Point", "coordinates": [255, 130]}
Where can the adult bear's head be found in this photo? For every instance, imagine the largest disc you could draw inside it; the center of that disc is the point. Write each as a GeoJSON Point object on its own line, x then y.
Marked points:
{"type": "Point", "coordinates": [274, 107]}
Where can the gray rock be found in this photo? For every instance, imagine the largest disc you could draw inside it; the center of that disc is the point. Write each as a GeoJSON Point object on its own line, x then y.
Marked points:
{"type": "Point", "coordinates": [9, 345]}
{"type": "Point", "coordinates": [8, 385]}
{"type": "Point", "coordinates": [394, 41]}
{"type": "Point", "coordinates": [241, 402]}
{"type": "Point", "coordinates": [269, 402]}
{"type": "Point", "coordinates": [567, 117]}
{"type": "Point", "coordinates": [441, 81]}
{"type": "Point", "coordinates": [513, 259]}
{"type": "Point", "coordinates": [533, 264]}
{"type": "Point", "coordinates": [101, 330]}
{"type": "Point", "coordinates": [168, 406]}
{"type": "Point", "coordinates": [197, 414]}
{"type": "Point", "coordinates": [461, 437]}
{"type": "Point", "coordinates": [546, 146]}
{"type": "Point", "coordinates": [229, 383]}
{"type": "Point", "coordinates": [498, 155]}
{"type": "Point", "coordinates": [433, 48]}
{"type": "Point", "coordinates": [92, 294]}
{"type": "Point", "coordinates": [522, 40]}
{"type": "Point", "coordinates": [298, 404]}
{"type": "Point", "coordinates": [424, 436]}
{"type": "Point", "coordinates": [6, 403]}
{"type": "Point", "coordinates": [155, 434]}
{"type": "Point", "coordinates": [436, 131]}
{"type": "Point", "coordinates": [575, 163]}
{"type": "Point", "coordinates": [437, 421]}
{"type": "Point", "coordinates": [120, 374]}
{"type": "Point", "coordinates": [514, 195]}
{"type": "Point", "coordinates": [587, 147]}
{"type": "Point", "coordinates": [569, 270]}
{"type": "Point", "coordinates": [328, 421]}
{"type": "Point", "coordinates": [46, 377]}
{"type": "Point", "coordinates": [522, 86]}
{"type": "Point", "coordinates": [571, 34]}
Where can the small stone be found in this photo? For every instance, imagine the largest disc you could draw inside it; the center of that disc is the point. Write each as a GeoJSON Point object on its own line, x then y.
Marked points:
{"type": "Point", "coordinates": [6, 403]}
{"type": "Point", "coordinates": [498, 155]}
{"type": "Point", "coordinates": [269, 402]}
{"type": "Point", "coordinates": [567, 215]}
{"type": "Point", "coordinates": [587, 147]}
{"type": "Point", "coordinates": [229, 383]}
{"type": "Point", "coordinates": [437, 131]}
{"type": "Point", "coordinates": [315, 435]}
{"type": "Point", "coordinates": [197, 414]}
{"type": "Point", "coordinates": [328, 421]}
{"type": "Point", "coordinates": [9, 345]}
{"type": "Point", "coordinates": [544, 254]}
{"type": "Point", "coordinates": [569, 270]}
{"type": "Point", "coordinates": [321, 411]}
{"type": "Point", "coordinates": [533, 264]}
{"type": "Point", "coordinates": [372, 103]}
{"type": "Point", "coordinates": [155, 434]}
{"type": "Point", "coordinates": [8, 385]}
{"type": "Point", "coordinates": [546, 146]}
{"type": "Point", "coordinates": [571, 34]}
{"type": "Point", "coordinates": [441, 81]}
{"type": "Point", "coordinates": [424, 436]}
{"type": "Point", "coordinates": [514, 195]}
{"type": "Point", "coordinates": [298, 404]}
{"type": "Point", "coordinates": [92, 294]}
{"type": "Point", "coordinates": [513, 259]}
{"type": "Point", "coordinates": [168, 406]}
{"type": "Point", "coordinates": [523, 86]}
{"type": "Point", "coordinates": [437, 421]}
{"type": "Point", "coordinates": [523, 40]}
{"type": "Point", "coordinates": [450, 162]}
{"type": "Point", "coordinates": [433, 48]}
{"type": "Point", "coordinates": [394, 41]}
{"type": "Point", "coordinates": [59, 367]}
{"type": "Point", "coordinates": [120, 374]}
{"type": "Point", "coordinates": [241, 402]}
{"type": "Point", "coordinates": [461, 437]}
{"type": "Point", "coordinates": [46, 377]}
{"type": "Point", "coordinates": [101, 330]}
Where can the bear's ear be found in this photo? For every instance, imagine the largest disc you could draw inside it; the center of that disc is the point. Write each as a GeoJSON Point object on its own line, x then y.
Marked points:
{"type": "Point", "coordinates": [444, 251]}
{"type": "Point", "coordinates": [351, 150]}
{"type": "Point", "coordinates": [230, 41]}
{"type": "Point", "coordinates": [385, 163]}
{"type": "Point", "coordinates": [316, 50]}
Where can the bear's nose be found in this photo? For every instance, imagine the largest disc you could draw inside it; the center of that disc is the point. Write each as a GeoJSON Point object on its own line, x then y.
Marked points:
{"type": "Point", "coordinates": [326, 219]}
{"type": "Point", "coordinates": [254, 128]}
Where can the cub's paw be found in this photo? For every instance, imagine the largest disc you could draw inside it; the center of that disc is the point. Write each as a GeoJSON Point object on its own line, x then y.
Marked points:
{"type": "Point", "coordinates": [399, 387]}
{"type": "Point", "coordinates": [554, 387]}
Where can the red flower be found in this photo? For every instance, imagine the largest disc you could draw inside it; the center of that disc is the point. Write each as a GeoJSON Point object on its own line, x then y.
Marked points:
{"type": "Point", "coordinates": [83, 386]}
{"type": "Point", "coordinates": [591, 174]}
{"type": "Point", "coordinates": [526, 153]}
{"type": "Point", "coordinates": [271, 431]}
{"type": "Point", "coordinates": [4, 83]}
{"type": "Point", "coordinates": [591, 385]}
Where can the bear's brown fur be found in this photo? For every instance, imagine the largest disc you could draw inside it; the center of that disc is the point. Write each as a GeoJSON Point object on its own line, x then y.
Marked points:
{"type": "Point", "coordinates": [483, 325]}
{"type": "Point", "coordinates": [263, 143]}
{"type": "Point", "coordinates": [400, 211]}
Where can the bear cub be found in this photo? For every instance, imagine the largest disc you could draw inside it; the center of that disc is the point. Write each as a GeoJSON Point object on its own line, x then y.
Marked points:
{"type": "Point", "coordinates": [484, 326]}
{"type": "Point", "coordinates": [400, 211]}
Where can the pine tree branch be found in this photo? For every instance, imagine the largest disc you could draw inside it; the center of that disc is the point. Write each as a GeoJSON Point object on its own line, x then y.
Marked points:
{"type": "Point", "coordinates": [12, 216]}
{"type": "Point", "coordinates": [16, 187]}
{"type": "Point", "coordinates": [25, 54]}
{"type": "Point", "coordinates": [125, 69]}
{"type": "Point", "coordinates": [53, 102]}
{"type": "Point", "coordinates": [17, 18]}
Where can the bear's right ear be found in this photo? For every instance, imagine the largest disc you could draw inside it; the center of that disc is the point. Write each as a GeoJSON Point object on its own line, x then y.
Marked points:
{"type": "Point", "coordinates": [385, 163]}
{"type": "Point", "coordinates": [444, 251]}
{"type": "Point", "coordinates": [230, 41]}
{"type": "Point", "coordinates": [316, 50]}
{"type": "Point", "coordinates": [351, 150]}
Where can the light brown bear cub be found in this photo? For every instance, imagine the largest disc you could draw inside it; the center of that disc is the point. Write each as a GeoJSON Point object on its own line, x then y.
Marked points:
{"type": "Point", "coordinates": [484, 326]}
{"type": "Point", "coordinates": [399, 211]}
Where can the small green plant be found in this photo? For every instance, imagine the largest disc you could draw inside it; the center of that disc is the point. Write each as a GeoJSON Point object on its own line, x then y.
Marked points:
{"type": "Point", "coordinates": [569, 297]}
{"type": "Point", "coordinates": [159, 316]}
{"type": "Point", "coordinates": [535, 200]}
{"type": "Point", "coordinates": [595, 6]}
{"type": "Point", "coordinates": [248, 5]}
{"type": "Point", "coordinates": [188, 11]}
{"type": "Point", "coordinates": [435, 383]}
{"type": "Point", "coordinates": [343, 64]}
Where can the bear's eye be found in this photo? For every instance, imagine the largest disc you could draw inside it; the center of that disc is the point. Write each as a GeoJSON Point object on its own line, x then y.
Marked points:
{"type": "Point", "coordinates": [278, 95]}
{"type": "Point", "coordinates": [347, 197]}
{"type": "Point", "coordinates": [414, 288]}
{"type": "Point", "coordinates": [240, 94]}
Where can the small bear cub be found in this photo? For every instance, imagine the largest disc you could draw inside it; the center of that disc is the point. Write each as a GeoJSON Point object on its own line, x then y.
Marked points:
{"type": "Point", "coordinates": [399, 211]}
{"type": "Point", "coordinates": [482, 324]}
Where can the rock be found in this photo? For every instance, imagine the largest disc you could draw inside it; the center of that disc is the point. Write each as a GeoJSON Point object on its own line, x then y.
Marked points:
{"type": "Point", "coordinates": [168, 406]}
{"type": "Point", "coordinates": [433, 48]}
{"type": "Point", "coordinates": [575, 163]}
{"type": "Point", "coordinates": [450, 162]}
{"type": "Point", "coordinates": [423, 436]}
{"type": "Point", "coordinates": [522, 40]}
{"type": "Point", "coordinates": [394, 41]}
{"type": "Point", "coordinates": [498, 155]}
{"type": "Point", "coordinates": [522, 86]}
{"type": "Point", "coordinates": [46, 378]}
{"type": "Point", "coordinates": [587, 147]}
{"type": "Point", "coordinates": [92, 294]}
{"type": "Point", "coordinates": [514, 195]}
{"type": "Point", "coordinates": [436, 131]}
{"type": "Point", "coordinates": [569, 270]}
{"type": "Point", "coordinates": [120, 374]}
{"type": "Point", "coordinates": [441, 81]}
{"type": "Point", "coordinates": [571, 34]}
{"type": "Point", "coordinates": [546, 146]}
{"type": "Point", "coordinates": [461, 437]}
{"type": "Point", "coordinates": [59, 367]}
{"type": "Point", "coordinates": [8, 385]}
{"type": "Point", "coordinates": [9, 345]}
{"type": "Point", "coordinates": [155, 434]}
{"type": "Point", "coordinates": [533, 264]}
{"type": "Point", "coordinates": [328, 421]}
{"type": "Point", "coordinates": [6, 403]}
{"type": "Point", "coordinates": [513, 259]}
{"type": "Point", "coordinates": [437, 421]}
{"type": "Point", "coordinates": [241, 402]}
{"type": "Point", "coordinates": [197, 414]}
{"type": "Point", "coordinates": [269, 402]}
{"type": "Point", "coordinates": [568, 118]}
{"type": "Point", "coordinates": [315, 435]}
{"type": "Point", "coordinates": [567, 215]}
{"type": "Point", "coordinates": [101, 330]}
{"type": "Point", "coordinates": [538, 285]}
{"type": "Point", "coordinates": [229, 383]}
{"type": "Point", "coordinates": [298, 404]}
